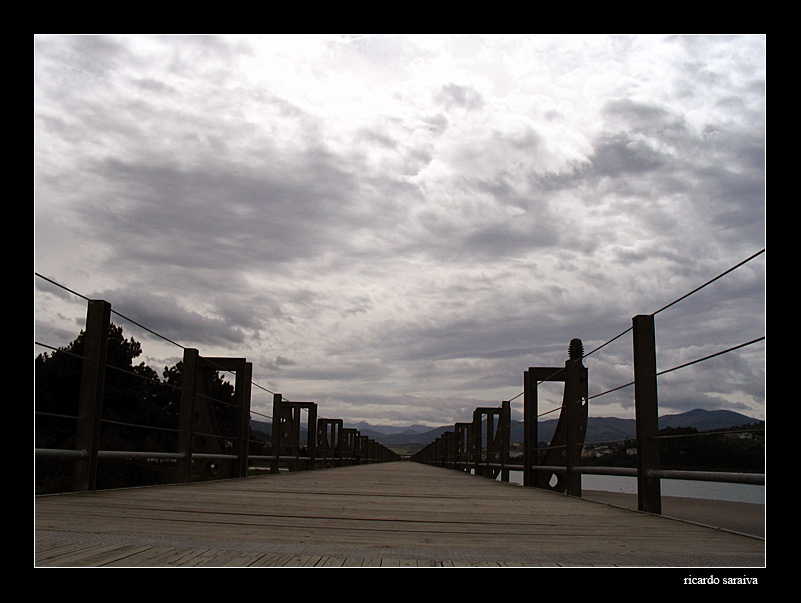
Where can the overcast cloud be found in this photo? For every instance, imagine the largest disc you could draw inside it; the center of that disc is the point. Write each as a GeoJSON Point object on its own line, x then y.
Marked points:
{"type": "Point", "coordinates": [397, 226]}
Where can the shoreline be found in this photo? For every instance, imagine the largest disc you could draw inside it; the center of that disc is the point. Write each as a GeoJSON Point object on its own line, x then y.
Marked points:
{"type": "Point", "coordinates": [740, 517]}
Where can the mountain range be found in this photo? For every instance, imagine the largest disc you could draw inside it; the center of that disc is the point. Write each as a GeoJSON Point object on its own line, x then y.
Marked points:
{"type": "Point", "coordinates": [599, 429]}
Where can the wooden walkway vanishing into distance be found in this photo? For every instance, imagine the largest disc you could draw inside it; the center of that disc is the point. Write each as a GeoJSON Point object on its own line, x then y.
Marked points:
{"type": "Point", "coordinates": [379, 515]}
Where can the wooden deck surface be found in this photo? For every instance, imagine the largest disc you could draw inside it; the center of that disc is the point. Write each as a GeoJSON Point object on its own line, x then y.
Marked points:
{"type": "Point", "coordinates": [392, 514]}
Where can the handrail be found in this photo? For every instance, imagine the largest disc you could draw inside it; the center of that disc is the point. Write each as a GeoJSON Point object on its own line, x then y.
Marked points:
{"type": "Point", "coordinates": [757, 479]}
{"type": "Point", "coordinates": [481, 447]}
{"type": "Point", "coordinates": [196, 420]}
{"type": "Point", "coordinates": [471, 456]}
{"type": "Point", "coordinates": [120, 454]}
{"type": "Point", "coordinates": [729, 477]}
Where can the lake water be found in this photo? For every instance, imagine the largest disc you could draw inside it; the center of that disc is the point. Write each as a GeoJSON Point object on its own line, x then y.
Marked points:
{"type": "Point", "coordinates": [670, 487]}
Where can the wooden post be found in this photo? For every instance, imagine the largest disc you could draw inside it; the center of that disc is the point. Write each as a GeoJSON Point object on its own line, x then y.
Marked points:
{"type": "Point", "coordinates": [311, 435]}
{"type": "Point", "coordinates": [487, 430]}
{"type": "Point", "coordinates": [186, 420]}
{"type": "Point", "coordinates": [276, 439]}
{"type": "Point", "coordinates": [340, 443]}
{"type": "Point", "coordinates": [575, 398]}
{"type": "Point", "coordinates": [476, 443]}
{"type": "Point", "coordinates": [506, 438]}
{"type": "Point", "coordinates": [450, 450]}
{"type": "Point", "coordinates": [90, 401]}
{"type": "Point", "coordinates": [462, 446]}
{"type": "Point", "coordinates": [649, 496]}
{"type": "Point", "coordinates": [530, 432]}
{"type": "Point", "coordinates": [244, 377]}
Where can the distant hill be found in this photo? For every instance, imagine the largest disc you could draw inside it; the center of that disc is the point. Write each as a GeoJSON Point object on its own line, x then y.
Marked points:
{"type": "Point", "coordinates": [705, 420]}
{"type": "Point", "coordinates": [364, 427]}
{"type": "Point", "coordinates": [599, 429]}
{"type": "Point", "coordinates": [414, 433]}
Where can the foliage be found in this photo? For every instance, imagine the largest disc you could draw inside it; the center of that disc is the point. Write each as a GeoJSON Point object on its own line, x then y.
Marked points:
{"type": "Point", "coordinates": [133, 394]}
{"type": "Point", "coordinates": [140, 411]}
{"type": "Point", "coordinates": [721, 450]}
{"type": "Point", "coordinates": [686, 448]}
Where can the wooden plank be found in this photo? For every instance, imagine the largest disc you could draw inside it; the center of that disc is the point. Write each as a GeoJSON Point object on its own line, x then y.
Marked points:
{"type": "Point", "coordinates": [395, 514]}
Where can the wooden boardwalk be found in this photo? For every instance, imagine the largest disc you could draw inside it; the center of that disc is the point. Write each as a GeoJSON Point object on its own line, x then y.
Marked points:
{"type": "Point", "coordinates": [392, 514]}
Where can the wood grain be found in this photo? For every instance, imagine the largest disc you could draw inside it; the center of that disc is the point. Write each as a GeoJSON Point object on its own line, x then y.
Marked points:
{"type": "Point", "coordinates": [382, 515]}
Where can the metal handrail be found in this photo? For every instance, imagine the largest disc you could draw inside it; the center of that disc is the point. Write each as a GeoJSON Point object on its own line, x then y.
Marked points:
{"type": "Point", "coordinates": [730, 477]}
{"type": "Point", "coordinates": [132, 454]}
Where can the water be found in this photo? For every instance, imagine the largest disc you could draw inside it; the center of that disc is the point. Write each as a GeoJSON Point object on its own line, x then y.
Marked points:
{"type": "Point", "coordinates": [670, 487]}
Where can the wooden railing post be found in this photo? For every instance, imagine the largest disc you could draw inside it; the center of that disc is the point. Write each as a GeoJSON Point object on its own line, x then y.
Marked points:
{"type": "Point", "coordinates": [462, 446]}
{"type": "Point", "coordinates": [530, 431]}
{"type": "Point", "coordinates": [476, 442]}
{"type": "Point", "coordinates": [450, 455]}
{"type": "Point", "coordinates": [506, 438]}
{"type": "Point", "coordinates": [186, 420]}
{"type": "Point", "coordinates": [244, 377]}
{"type": "Point", "coordinates": [90, 401]}
{"type": "Point", "coordinates": [575, 398]}
{"type": "Point", "coordinates": [276, 435]}
{"type": "Point", "coordinates": [311, 435]}
{"type": "Point", "coordinates": [649, 497]}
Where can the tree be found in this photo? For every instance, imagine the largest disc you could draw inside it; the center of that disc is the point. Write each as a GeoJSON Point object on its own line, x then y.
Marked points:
{"type": "Point", "coordinates": [140, 411]}
{"type": "Point", "coordinates": [133, 393]}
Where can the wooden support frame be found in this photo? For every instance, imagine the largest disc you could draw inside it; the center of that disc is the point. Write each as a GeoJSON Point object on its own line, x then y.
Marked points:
{"type": "Point", "coordinates": [462, 443]}
{"type": "Point", "coordinates": [286, 440]}
{"type": "Point", "coordinates": [362, 449]}
{"type": "Point", "coordinates": [197, 418]}
{"type": "Point", "coordinates": [491, 432]}
{"type": "Point", "coordinates": [568, 440]}
{"type": "Point", "coordinates": [349, 442]}
{"type": "Point", "coordinates": [243, 371]}
{"type": "Point", "coordinates": [531, 455]}
{"type": "Point", "coordinates": [329, 441]}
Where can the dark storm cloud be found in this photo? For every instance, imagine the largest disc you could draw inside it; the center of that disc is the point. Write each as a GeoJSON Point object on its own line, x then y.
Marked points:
{"type": "Point", "coordinates": [209, 218]}
{"type": "Point", "coordinates": [620, 156]}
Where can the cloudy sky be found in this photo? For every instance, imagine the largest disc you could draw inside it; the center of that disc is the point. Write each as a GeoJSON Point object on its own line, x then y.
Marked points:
{"type": "Point", "coordinates": [396, 226]}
